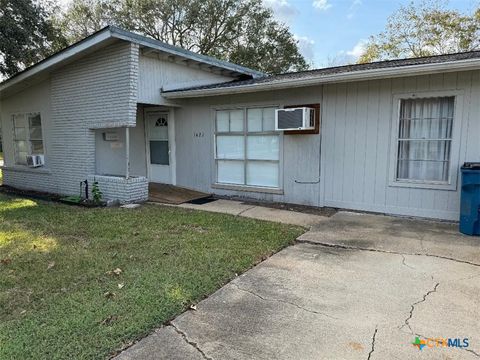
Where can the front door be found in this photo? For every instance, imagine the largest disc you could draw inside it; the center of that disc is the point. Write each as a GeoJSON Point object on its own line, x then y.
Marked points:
{"type": "Point", "coordinates": [158, 147]}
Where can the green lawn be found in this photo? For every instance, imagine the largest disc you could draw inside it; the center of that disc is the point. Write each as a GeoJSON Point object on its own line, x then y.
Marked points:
{"type": "Point", "coordinates": [60, 296]}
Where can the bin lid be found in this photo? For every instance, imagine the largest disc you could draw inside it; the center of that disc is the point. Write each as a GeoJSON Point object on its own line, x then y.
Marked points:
{"type": "Point", "coordinates": [471, 165]}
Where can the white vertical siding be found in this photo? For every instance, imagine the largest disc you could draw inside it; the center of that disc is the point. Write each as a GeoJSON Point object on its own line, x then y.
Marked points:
{"type": "Point", "coordinates": [300, 154]}
{"type": "Point", "coordinates": [360, 181]}
{"type": "Point", "coordinates": [355, 145]}
{"type": "Point", "coordinates": [155, 74]}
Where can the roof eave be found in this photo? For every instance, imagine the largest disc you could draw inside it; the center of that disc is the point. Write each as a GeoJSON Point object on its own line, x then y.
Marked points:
{"type": "Point", "coordinates": [371, 74]}
{"type": "Point", "coordinates": [173, 50]}
{"type": "Point", "coordinates": [114, 33]}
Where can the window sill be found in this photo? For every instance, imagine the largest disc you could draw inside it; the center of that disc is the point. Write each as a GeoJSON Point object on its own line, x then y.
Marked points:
{"type": "Point", "coordinates": [246, 188]}
{"type": "Point", "coordinates": [26, 169]}
{"type": "Point", "coordinates": [423, 185]}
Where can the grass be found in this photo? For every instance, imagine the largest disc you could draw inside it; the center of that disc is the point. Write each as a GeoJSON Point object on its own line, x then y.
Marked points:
{"type": "Point", "coordinates": [59, 295]}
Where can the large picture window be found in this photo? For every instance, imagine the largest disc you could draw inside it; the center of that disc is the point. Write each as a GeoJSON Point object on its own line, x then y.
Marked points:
{"type": "Point", "coordinates": [247, 147]}
{"type": "Point", "coordinates": [424, 140]}
{"type": "Point", "coordinates": [27, 136]}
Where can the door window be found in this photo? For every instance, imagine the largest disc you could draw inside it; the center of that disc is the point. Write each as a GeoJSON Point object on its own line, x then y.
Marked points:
{"type": "Point", "coordinates": [159, 149]}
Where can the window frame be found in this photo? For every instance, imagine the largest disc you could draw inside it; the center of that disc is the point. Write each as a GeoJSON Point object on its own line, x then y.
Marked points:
{"type": "Point", "coordinates": [1, 135]}
{"type": "Point", "coordinates": [451, 184]}
{"type": "Point", "coordinates": [28, 140]}
{"type": "Point", "coordinates": [245, 134]}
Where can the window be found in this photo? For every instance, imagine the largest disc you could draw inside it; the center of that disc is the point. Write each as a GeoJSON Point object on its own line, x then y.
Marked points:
{"type": "Point", "coordinates": [27, 136]}
{"type": "Point", "coordinates": [1, 146]}
{"type": "Point", "coordinates": [159, 148]}
{"type": "Point", "coordinates": [424, 140]}
{"type": "Point", "coordinates": [247, 147]}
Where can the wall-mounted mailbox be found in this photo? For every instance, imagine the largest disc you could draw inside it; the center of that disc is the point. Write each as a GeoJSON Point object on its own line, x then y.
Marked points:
{"type": "Point", "coordinates": [111, 136]}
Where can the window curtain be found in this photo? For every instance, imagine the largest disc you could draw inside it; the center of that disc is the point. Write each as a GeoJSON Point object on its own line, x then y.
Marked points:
{"type": "Point", "coordinates": [424, 139]}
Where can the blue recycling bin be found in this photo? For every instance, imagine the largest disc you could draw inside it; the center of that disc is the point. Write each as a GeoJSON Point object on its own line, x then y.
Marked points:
{"type": "Point", "coordinates": [470, 199]}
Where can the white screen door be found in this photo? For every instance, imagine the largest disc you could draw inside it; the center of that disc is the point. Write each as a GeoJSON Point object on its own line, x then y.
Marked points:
{"type": "Point", "coordinates": [159, 145]}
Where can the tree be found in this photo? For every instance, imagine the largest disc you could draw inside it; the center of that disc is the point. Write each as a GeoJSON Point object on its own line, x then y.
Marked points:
{"type": "Point", "coordinates": [27, 35]}
{"type": "Point", "coordinates": [424, 30]}
{"type": "Point", "coordinates": [240, 31]}
{"type": "Point", "coordinates": [83, 18]}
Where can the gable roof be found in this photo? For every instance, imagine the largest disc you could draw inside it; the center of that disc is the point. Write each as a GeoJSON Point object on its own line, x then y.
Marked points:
{"type": "Point", "coordinates": [110, 34]}
{"type": "Point", "coordinates": [369, 71]}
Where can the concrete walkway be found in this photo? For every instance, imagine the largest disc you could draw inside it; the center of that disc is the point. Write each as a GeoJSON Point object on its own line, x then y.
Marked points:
{"type": "Point", "coordinates": [239, 208]}
{"type": "Point", "coordinates": [353, 287]}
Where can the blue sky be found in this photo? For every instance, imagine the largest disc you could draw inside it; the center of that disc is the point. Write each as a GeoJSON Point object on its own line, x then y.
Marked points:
{"type": "Point", "coordinates": [332, 31]}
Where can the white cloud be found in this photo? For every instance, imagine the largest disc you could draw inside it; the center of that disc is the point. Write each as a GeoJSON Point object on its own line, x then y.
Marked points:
{"type": "Point", "coordinates": [283, 10]}
{"type": "Point", "coordinates": [321, 4]}
{"type": "Point", "coordinates": [306, 47]}
{"type": "Point", "coordinates": [353, 8]}
{"type": "Point", "coordinates": [358, 49]}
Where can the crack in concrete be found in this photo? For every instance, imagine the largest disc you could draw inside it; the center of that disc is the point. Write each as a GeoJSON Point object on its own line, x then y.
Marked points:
{"type": "Point", "coordinates": [348, 247]}
{"type": "Point", "coordinates": [471, 351]}
{"type": "Point", "coordinates": [372, 349]}
{"type": "Point", "coordinates": [245, 210]}
{"type": "Point", "coordinates": [412, 309]}
{"type": "Point", "coordinates": [404, 262]}
{"type": "Point", "coordinates": [285, 302]}
{"type": "Point", "coordinates": [191, 343]}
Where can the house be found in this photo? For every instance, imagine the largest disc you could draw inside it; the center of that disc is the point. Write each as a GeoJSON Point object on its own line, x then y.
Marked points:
{"type": "Point", "coordinates": [127, 110]}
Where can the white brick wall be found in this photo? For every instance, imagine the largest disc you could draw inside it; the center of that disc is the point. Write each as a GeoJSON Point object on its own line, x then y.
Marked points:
{"type": "Point", "coordinates": [36, 179]}
{"type": "Point", "coordinates": [134, 189]}
{"type": "Point", "coordinates": [91, 93]}
{"type": "Point", "coordinates": [97, 91]}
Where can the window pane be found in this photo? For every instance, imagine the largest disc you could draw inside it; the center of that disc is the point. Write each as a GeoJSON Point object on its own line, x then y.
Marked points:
{"type": "Point", "coordinates": [435, 150]}
{"type": "Point", "coordinates": [426, 118]}
{"type": "Point", "coordinates": [21, 158]}
{"type": "Point", "coordinates": [230, 172]}
{"type": "Point", "coordinates": [423, 170]}
{"type": "Point", "coordinates": [35, 120]}
{"type": "Point", "coordinates": [19, 121]}
{"type": "Point", "coordinates": [21, 146]}
{"type": "Point", "coordinates": [230, 147]}
{"type": "Point", "coordinates": [159, 153]}
{"type": "Point", "coordinates": [159, 128]}
{"type": "Point", "coordinates": [36, 133]}
{"type": "Point", "coordinates": [254, 117]}
{"type": "Point", "coordinates": [222, 121]}
{"type": "Point", "coordinates": [262, 173]}
{"type": "Point", "coordinates": [20, 133]}
{"type": "Point", "coordinates": [236, 120]}
{"type": "Point", "coordinates": [263, 147]}
{"type": "Point", "coordinates": [37, 147]}
{"type": "Point", "coordinates": [268, 119]}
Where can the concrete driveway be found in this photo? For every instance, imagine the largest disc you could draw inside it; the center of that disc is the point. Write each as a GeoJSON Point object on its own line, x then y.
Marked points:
{"type": "Point", "coordinates": [354, 287]}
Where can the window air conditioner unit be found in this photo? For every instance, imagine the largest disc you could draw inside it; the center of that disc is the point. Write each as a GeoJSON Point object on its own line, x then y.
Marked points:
{"type": "Point", "coordinates": [301, 118]}
{"type": "Point", "coordinates": [35, 160]}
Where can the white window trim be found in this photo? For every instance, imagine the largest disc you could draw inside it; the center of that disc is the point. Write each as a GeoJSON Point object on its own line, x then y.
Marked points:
{"type": "Point", "coordinates": [243, 187]}
{"type": "Point", "coordinates": [29, 144]}
{"type": "Point", "coordinates": [451, 184]}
